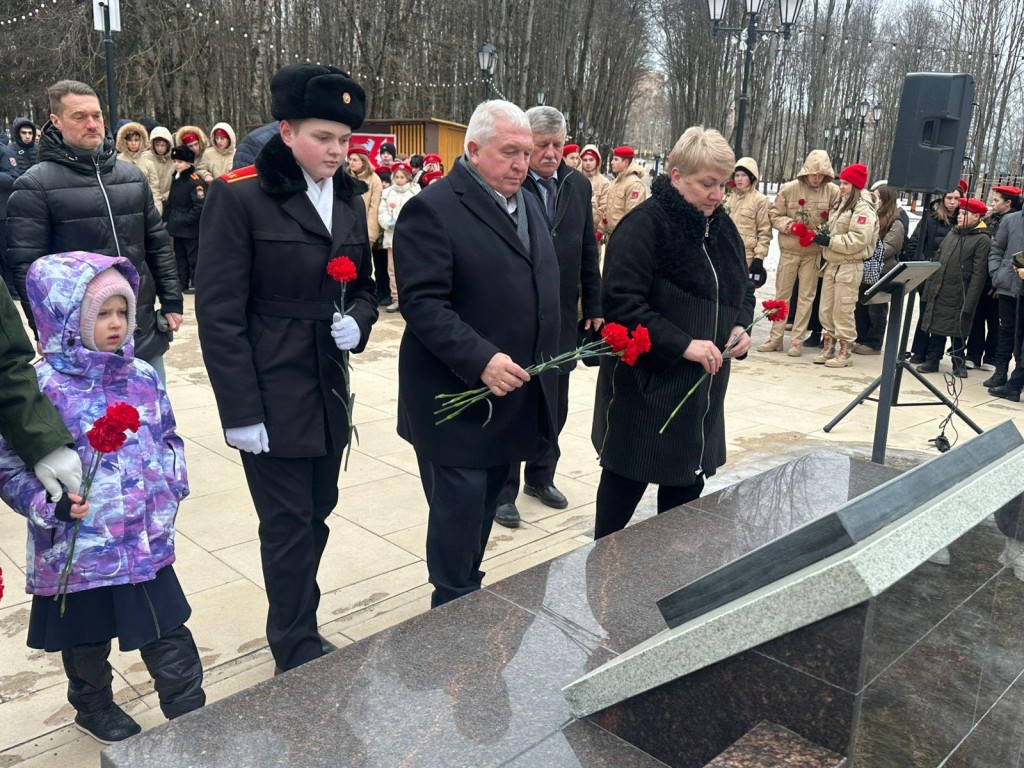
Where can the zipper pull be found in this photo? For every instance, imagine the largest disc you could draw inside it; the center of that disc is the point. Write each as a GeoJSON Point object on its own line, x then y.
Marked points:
{"type": "Point", "coordinates": [707, 228]}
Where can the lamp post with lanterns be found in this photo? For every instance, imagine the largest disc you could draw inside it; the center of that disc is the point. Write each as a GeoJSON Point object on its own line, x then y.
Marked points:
{"type": "Point", "coordinates": [788, 11]}
{"type": "Point", "coordinates": [487, 57]}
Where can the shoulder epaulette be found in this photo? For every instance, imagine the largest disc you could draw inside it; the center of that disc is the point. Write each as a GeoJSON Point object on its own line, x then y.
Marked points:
{"type": "Point", "coordinates": [194, 177]}
{"type": "Point", "coordinates": [240, 174]}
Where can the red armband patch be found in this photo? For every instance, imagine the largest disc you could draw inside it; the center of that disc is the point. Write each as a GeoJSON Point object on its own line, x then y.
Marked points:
{"type": "Point", "coordinates": [862, 219]}
{"type": "Point", "coordinates": [635, 195]}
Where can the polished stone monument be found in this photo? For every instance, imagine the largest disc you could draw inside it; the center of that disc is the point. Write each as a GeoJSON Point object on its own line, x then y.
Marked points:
{"type": "Point", "coordinates": [929, 664]}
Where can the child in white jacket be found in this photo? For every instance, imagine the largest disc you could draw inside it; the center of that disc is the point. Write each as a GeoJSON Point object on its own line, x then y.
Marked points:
{"type": "Point", "coordinates": [401, 191]}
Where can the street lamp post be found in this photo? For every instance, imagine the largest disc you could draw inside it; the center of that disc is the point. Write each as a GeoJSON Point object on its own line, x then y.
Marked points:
{"type": "Point", "coordinates": [876, 114]}
{"type": "Point", "coordinates": [788, 10]}
{"type": "Point", "coordinates": [541, 95]}
{"type": "Point", "coordinates": [863, 108]}
{"type": "Point", "coordinates": [487, 57]}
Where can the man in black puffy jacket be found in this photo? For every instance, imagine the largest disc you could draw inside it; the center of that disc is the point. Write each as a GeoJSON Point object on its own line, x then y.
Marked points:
{"type": "Point", "coordinates": [79, 197]}
{"type": "Point", "coordinates": [23, 142]}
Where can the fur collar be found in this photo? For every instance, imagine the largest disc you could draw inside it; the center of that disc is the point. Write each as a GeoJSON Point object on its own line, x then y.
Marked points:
{"type": "Point", "coordinates": [685, 216]}
{"type": "Point", "coordinates": [280, 174]}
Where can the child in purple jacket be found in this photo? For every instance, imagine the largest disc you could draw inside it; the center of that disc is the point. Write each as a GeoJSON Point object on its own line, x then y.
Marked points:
{"type": "Point", "coordinates": [121, 583]}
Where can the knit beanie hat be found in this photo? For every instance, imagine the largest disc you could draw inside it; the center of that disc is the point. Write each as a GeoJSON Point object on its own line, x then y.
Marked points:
{"type": "Point", "coordinates": [856, 174]}
{"type": "Point", "coordinates": [109, 282]}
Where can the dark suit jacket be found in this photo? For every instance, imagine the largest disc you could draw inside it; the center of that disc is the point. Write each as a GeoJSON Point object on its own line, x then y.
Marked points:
{"type": "Point", "coordinates": [468, 289]}
{"type": "Point", "coordinates": [264, 301]}
{"type": "Point", "coordinates": [576, 247]}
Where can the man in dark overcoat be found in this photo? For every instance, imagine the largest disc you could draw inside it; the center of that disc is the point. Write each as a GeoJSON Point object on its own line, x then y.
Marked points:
{"type": "Point", "coordinates": [272, 341]}
{"type": "Point", "coordinates": [565, 194]}
{"type": "Point", "coordinates": [478, 286]}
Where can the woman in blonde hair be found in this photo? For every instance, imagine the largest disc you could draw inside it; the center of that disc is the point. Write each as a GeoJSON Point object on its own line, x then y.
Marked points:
{"type": "Point", "coordinates": [678, 268]}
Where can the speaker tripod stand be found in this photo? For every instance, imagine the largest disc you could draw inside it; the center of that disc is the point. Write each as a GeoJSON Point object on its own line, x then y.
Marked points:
{"type": "Point", "coordinates": [896, 287]}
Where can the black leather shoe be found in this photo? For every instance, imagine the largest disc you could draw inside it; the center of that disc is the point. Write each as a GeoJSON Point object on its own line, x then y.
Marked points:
{"type": "Point", "coordinates": [997, 379]}
{"type": "Point", "coordinates": [814, 340]}
{"type": "Point", "coordinates": [107, 726]}
{"type": "Point", "coordinates": [507, 515]}
{"type": "Point", "coordinates": [930, 365]}
{"type": "Point", "coordinates": [1006, 392]}
{"type": "Point", "coordinates": [917, 359]}
{"type": "Point", "coordinates": [547, 495]}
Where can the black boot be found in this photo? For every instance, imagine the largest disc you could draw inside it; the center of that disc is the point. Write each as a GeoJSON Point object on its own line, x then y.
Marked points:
{"type": "Point", "coordinates": [173, 662]}
{"type": "Point", "coordinates": [998, 378]}
{"type": "Point", "coordinates": [930, 365]}
{"type": "Point", "coordinates": [959, 367]}
{"type": "Point", "coordinates": [1006, 392]}
{"type": "Point", "coordinates": [813, 340]}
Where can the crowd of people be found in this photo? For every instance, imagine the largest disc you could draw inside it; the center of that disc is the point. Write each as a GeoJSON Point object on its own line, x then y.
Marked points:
{"type": "Point", "coordinates": [495, 265]}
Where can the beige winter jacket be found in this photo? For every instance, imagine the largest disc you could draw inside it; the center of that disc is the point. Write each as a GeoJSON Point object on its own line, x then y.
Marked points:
{"type": "Point", "coordinates": [599, 184]}
{"type": "Point", "coordinates": [122, 147]}
{"type": "Point", "coordinates": [215, 161]}
{"type": "Point", "coordinates": [204, 141]}
{"type": "Point", "coordinates": [159, 169]}
{"type": "Point", "coordinates": [749, 212]}
{"type": "Point", "coordinates": [853, 233]}
{"type": "Point", "coordinates": [371, 199]}
{"type": "Point", "coordinates": [786, 208]}
{"type": "Point", "coordinates": [625, 193]}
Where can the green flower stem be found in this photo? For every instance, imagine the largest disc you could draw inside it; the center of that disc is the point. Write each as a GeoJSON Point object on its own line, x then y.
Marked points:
{"type": "Point", "coordinates": [65, 572]}
{"type": "Point", "coordinates": [349, 403]}
{"type": "Point", "coordinates": [725, 352]}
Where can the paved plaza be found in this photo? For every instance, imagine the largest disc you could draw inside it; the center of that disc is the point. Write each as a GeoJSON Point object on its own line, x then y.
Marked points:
{"type": "Point", "coordinates": [373, 573]}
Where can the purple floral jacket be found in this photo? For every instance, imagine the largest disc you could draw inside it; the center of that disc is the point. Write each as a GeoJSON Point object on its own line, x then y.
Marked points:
{"type": "Point", "coordinates": [128, 534]}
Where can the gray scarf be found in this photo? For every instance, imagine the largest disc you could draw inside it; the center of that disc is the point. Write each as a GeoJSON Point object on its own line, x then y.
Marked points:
{"type": "Point", "coordinates": [522, 226]}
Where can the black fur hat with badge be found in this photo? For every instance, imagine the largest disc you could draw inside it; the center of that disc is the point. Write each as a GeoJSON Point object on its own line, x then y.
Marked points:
{"type": "Point", "coordinates": [302, 91]}
{"type": "Point", "coordinates": [184, 154]}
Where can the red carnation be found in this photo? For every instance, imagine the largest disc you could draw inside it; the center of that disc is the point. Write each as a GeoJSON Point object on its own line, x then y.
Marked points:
{"type": "Point", "coordinates": [824, 215]}
{"type": "Point", "coordinates": [123, 417]}
{"type": "Point", "coordinates": [801, 202]}
{"type": "Point", "coordinates": [806, 239]}
{"type": "Point", "coordinates": [775, 310]}
{"type": "Point", "coordinates": [799, 229]}
{"type": "Point", "coordinates": [105, 437]}
{"type": "Point", "coordinates": [615, 336]}
{"type": "Point", "coordinates": [1, 583]}
{"type": "Point", "coordinates": [640, 343]}
{"type": "Point", "coordinates": [730, 184]}
{"type": "Point", "coordinates": [342, 269]}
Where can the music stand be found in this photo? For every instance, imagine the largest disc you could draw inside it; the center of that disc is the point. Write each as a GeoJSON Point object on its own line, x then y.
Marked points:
{"type": "Point", "coordinates": [894, 287]}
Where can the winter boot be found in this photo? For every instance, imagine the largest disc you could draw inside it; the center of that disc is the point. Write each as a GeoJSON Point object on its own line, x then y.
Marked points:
{"type": "Point", "coordinates": [998, 378]}
{"type": "Point", "coordinates": [1006, 392]}
{"type": "Point", "coordinates": [959, 369]}
{"type": "Point", "coordinates": [795, 350]}
{"type": "Point", "coordinates": [828, 350]}
{"type": "Point", "coordinates": [813, 339]}
{"type": "Point", "coordinates": [843, 356]}
{"type": "Point", "coordinates": [770, 346]}
{"type": "Point", "coordinates": [930, 365]}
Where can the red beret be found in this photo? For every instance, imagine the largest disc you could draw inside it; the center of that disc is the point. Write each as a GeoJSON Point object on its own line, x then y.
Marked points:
{"type": "Point", "coordinates": [189, 137]}
{"type": "Point", "coordinates": [432, 158]}
{"type": "Point", "coordinates": [624, 151]}
{"type": "Point", "coordinates": [430, 176]}
{"type": "Point", "coordinates": [962, 186]}
{"type": "Point", "coordinates": [973, 205]}
{"type": "Point", "coordinates": [568, 149]}
{"type": "Point", "coordinates": [355, 149]}
{"type": "Point", "coordinates": [590, 153]}
{"type": "Point", "coordinates": [1008, 191]}
{"type": "Point", "coordinates": [400, 166]}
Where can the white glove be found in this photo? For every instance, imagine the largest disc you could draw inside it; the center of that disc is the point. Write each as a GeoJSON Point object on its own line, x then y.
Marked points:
{"type": "Point", "coordinates": [57, 468]}
{"type": "Point", "coordinates": [252, 439]}
{"type": "Point", "coordinates": [345, 332]}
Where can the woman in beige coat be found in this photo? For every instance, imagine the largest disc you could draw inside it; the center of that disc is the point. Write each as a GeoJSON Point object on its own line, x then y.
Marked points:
{"type": "Point", "coordinates": [849, 242]}
{"type": "Point", "coordinates": [158, 166]}
{"type": "Point", "coordinates": [748, 209]}
{"type": "Point", "coordinates": [359, 167]}
{"type": "Point", "coordinates": [217, 159]}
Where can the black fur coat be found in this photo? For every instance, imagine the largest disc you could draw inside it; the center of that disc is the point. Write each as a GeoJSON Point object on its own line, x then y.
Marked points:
{"type": "Point", "coordinates": [684, 277]}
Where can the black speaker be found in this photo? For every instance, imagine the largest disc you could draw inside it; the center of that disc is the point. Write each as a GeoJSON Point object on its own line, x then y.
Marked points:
{"type": "Point", "coordinates": [931, 131]}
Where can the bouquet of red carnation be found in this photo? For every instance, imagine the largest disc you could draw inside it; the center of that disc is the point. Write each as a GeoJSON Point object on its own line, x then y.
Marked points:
{"type": "Point", "coordinates": [106, 436]}
{"type": "Point", "coordinates": [772, 310]}
{"type": "Point", "coordinates": [343, 270]}
{"type": "Point", "coordinates": [616, 340]}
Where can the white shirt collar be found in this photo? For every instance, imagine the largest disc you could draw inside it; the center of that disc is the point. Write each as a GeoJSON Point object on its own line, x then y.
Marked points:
{"type": "Point", "coordinates": [321, 195]}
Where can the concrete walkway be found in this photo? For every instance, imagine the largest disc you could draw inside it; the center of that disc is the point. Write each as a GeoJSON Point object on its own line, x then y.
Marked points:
{"type": "Point", "coordinates": [373, 573]}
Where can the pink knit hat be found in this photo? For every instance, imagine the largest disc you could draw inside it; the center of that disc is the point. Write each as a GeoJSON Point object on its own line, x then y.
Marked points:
{"type": "Point", "coordinates": [109, 282]}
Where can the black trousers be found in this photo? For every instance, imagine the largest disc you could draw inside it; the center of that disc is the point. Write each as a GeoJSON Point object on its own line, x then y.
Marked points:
{"type": "Point", "coordinates": [1007, 306]}
{"type": "Point", "coordinates": [293, 498]}
{"type": "Point", "coordinates": [380, 274]}
{"type": "Point", "coordinates": [172, 660]}
{"type": "Point", "coordinates": [462, 501]}
{"type": "Point", "coordinates": [984, 337]}
{"type": "Point", "coordinates": [5, 269]}
{"type": "Point", "coordinates": [540, 471]}
{"type": "Point", "coordinates": [937, 348]}
{"type": "Point", "coordinates": [186, 256]}
{"type": "Point", "coordinates": [617, 497]}
{"type": "Point", "coordinates": [871, 320]}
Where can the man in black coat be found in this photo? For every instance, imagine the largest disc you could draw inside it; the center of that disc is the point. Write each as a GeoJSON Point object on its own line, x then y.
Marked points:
{"type": "Point", "coordinates": [79, 197]}
{"type": "Point", "coordinates": [252, 143]}
{"type": "Point", "coordinates": [274, 345]}
{"type": "Point", "coordinates": [24, 134]}
{"type": "Point", "coordinates": [478, 286]}
{"type": "Point", "coordinates": [565, 194]}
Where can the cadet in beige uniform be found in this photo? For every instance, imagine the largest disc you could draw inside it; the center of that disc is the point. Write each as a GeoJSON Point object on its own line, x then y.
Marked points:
{"type": "Point", "coordinates": [627, 191]}
{"type": "Point", "coordinates": [748, 209]}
